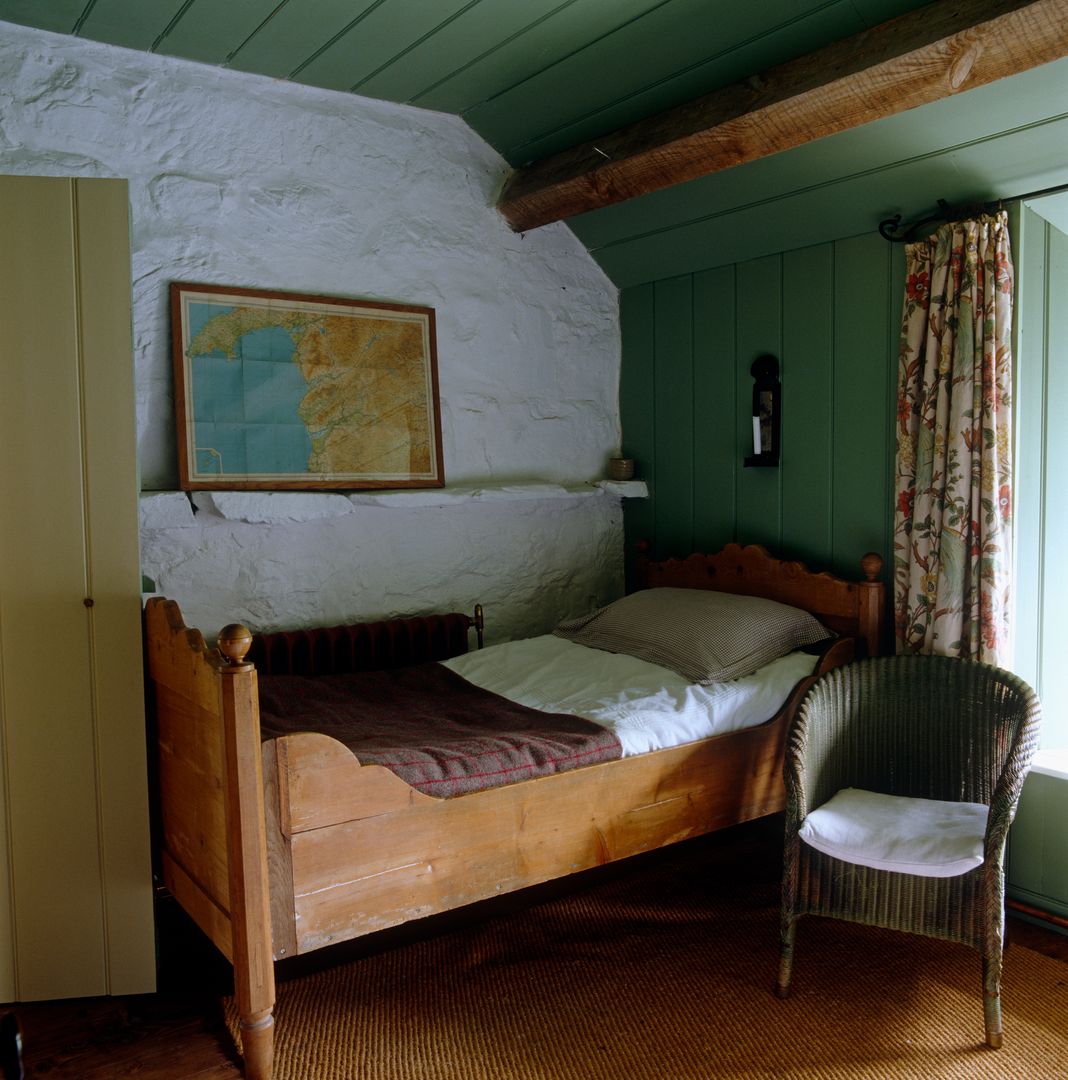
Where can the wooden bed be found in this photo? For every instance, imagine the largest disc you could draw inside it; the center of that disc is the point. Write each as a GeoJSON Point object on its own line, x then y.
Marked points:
{"type": "Point", "coordinates": [281, 847]}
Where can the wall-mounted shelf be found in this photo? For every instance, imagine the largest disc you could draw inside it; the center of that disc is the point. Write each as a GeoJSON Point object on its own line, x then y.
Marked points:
{"type": "Point", "coordinates": [179, 509]}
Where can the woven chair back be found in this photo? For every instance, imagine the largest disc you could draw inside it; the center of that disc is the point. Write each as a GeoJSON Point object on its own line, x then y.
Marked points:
{"type": "Point", "coordinates": [924, 726]}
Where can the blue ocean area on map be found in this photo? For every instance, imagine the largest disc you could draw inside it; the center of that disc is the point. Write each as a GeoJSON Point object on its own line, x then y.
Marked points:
{"type": "Point", "coordinates": [246, 405]}
{"type": "Point", "coordinates": [199, 315]}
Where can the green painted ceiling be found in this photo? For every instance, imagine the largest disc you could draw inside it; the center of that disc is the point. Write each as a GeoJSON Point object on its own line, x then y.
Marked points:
{"type": "Point", "coordinates": [536, 76]}
{"type": "Point", "coordinates": [531, 76]}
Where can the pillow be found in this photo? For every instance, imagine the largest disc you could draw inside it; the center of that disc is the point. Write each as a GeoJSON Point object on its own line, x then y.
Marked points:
{"type": "Point", "coordinates": [926, 837]}
{"type": "Point", "coordinates": [705, 636]}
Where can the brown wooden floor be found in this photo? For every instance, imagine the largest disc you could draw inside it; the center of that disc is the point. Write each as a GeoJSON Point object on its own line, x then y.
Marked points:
{"type": "Point", "coordinates": [165, 1036]}
{"type": "Point", "coordinates": [179, 1034]}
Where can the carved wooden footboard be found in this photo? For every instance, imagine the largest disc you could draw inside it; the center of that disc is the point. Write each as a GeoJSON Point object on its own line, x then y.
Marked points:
{"type": "Point", "coordinates": [211, 796]}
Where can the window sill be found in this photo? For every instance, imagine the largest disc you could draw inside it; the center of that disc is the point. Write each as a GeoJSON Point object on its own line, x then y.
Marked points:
{"type": "Point", "coordinates": [1051, 763]}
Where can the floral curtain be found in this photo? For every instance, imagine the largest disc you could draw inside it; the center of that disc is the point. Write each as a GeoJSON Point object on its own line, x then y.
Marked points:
{"type": "Point", "coordinates": [952, 553]}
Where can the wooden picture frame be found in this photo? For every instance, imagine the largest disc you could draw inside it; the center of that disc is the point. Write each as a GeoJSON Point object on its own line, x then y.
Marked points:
{"type": "Point", "coordinates": [279, 390]}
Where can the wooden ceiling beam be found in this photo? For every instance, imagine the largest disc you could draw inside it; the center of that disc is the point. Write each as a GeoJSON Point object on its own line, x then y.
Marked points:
{"type": "Point", "coordinates": [940, 49]}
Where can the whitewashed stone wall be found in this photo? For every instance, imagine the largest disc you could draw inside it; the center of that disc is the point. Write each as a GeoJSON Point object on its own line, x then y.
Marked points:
{"type": "Point", "coordinates": [529, 560]}
{"type": "Point", "coordinates": [250, 181]}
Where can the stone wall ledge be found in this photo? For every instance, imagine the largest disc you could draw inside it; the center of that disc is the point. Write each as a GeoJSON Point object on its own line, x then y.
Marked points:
{"type": "Point", "coordinates": [177, 509]}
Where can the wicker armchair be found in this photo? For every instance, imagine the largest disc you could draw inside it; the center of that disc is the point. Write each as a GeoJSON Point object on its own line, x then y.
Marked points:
{"type": "Point", "coordinates": [922, 727]}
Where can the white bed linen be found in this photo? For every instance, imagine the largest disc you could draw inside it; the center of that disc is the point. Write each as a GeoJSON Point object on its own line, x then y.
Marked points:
{"type": "Point", "coordinates": [647, 706]}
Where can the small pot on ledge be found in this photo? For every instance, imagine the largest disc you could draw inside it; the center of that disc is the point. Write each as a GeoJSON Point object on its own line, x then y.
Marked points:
{"type": "Point", "coordinates": [621, 468]}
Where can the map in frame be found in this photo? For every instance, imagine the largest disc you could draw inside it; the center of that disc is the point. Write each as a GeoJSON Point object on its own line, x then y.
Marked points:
{"type": "Point", "coordinates": [279, 390]}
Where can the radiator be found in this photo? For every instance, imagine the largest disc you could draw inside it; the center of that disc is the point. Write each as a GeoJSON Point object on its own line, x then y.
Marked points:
{"type": "Point", "coordinates": [375, 646]}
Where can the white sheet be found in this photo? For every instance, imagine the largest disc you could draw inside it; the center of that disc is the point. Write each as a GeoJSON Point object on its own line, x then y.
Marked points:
{"type": "Point", "coordinates": [647, 706]}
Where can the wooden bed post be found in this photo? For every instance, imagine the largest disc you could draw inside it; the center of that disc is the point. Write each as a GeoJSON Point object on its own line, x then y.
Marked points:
{"type": "Point", "coordinates": [250, 910]}
{"type": "Point", "coordinates": [872, 599]}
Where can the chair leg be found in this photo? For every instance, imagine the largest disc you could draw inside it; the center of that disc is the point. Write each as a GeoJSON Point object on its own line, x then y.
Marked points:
{"type": "Point", "coordinates": [786, 955]}
{"type": "Point", "coordinates": [993, 946]}
{"type": "Point", "coordinates": [992, 1000]}
{"type": "Point", "coordinates": [788, 931]}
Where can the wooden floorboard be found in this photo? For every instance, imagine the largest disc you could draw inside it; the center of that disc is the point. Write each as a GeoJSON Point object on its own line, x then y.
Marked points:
{"type": "Point", "coordinates": [163, 1036]}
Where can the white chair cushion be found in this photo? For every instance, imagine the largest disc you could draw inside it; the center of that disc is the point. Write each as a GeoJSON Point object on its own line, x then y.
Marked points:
{"type": "Point", "coordinates": [925, 837]}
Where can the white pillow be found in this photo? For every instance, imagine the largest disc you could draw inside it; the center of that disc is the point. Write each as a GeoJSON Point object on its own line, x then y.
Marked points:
{"type": "Point", "coordinates": [925, 837]}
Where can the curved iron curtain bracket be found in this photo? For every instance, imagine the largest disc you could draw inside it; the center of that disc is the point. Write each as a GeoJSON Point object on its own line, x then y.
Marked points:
{"type": "Point", "coordinates": [893, 230]}
{"type": "Point", "coordinates": [888, 229]}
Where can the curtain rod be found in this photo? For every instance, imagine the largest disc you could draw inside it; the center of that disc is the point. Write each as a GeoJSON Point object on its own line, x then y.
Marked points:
{"type": "Point", "coordinates": [891, 229]}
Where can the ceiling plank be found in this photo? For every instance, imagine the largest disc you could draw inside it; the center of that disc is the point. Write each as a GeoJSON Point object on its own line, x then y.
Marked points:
{"type": "Point", "coordinates": [61, 16]}
{"type": "Point", "coordinates": [131, 25]}
{"type": "Point", "coordinates": [933, 52]}
{"type": "Point", "coordinates": [211, 33]}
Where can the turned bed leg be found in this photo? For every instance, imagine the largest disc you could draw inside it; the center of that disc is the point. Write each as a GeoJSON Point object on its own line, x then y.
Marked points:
{"type": "Point", "coordinates": [246, 827]}
{"type": "Point", "coordinates": [257, 1045]}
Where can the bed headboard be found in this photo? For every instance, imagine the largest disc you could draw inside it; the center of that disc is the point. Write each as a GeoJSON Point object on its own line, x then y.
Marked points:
{"type": "Point", "coordinates": [375, 646]}
{"type": "Point", "coordinates": [855, 608]}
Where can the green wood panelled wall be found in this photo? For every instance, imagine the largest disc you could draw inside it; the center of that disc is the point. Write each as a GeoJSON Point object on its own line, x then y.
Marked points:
{"type": "Point", "coordinates": [830, 314]}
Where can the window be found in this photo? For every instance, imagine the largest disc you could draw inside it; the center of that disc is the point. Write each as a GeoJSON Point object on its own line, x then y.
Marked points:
{"type": "Point", "coordinates": [1041, 496]}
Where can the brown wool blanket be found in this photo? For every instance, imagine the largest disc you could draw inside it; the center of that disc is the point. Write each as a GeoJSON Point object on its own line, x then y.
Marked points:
{"type": "Point", "coordinates": [434, 729]}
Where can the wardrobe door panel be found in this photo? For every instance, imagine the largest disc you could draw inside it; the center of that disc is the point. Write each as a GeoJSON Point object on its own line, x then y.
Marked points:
{"type": "Point", "coordinates": [78, 899]}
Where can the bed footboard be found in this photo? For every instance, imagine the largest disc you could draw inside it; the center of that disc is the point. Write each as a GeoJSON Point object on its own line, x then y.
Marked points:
{"type": "Point", "coordinates": [214, 837]}
{"type": "Point", "coordinates": [212, 808]}
{"type": "Point", "coordinates": [219, 823]}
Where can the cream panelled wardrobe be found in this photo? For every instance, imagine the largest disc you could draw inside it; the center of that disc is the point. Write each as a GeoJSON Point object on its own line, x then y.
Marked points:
{"type": "Point", "coordinates": [75, 879]}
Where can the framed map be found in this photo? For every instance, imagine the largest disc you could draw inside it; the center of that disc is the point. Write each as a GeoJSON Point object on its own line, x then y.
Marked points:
{"type": "Point", "coordinates": [280, 391]}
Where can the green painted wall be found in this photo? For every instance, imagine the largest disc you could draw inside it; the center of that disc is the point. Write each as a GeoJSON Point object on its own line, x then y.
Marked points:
{"type": "Point", "coordinates": [1037, 858]}
{"type": "Point", "coordinates": [830, 314]}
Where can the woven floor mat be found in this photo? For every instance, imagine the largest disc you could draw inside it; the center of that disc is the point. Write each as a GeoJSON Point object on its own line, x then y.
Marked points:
{"type": "Point", "coordinates": [665, 972]}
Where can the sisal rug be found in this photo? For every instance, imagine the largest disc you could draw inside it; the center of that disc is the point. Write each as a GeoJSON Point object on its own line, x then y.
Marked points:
{"type": "Point", "coordinates": [664, 971]}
